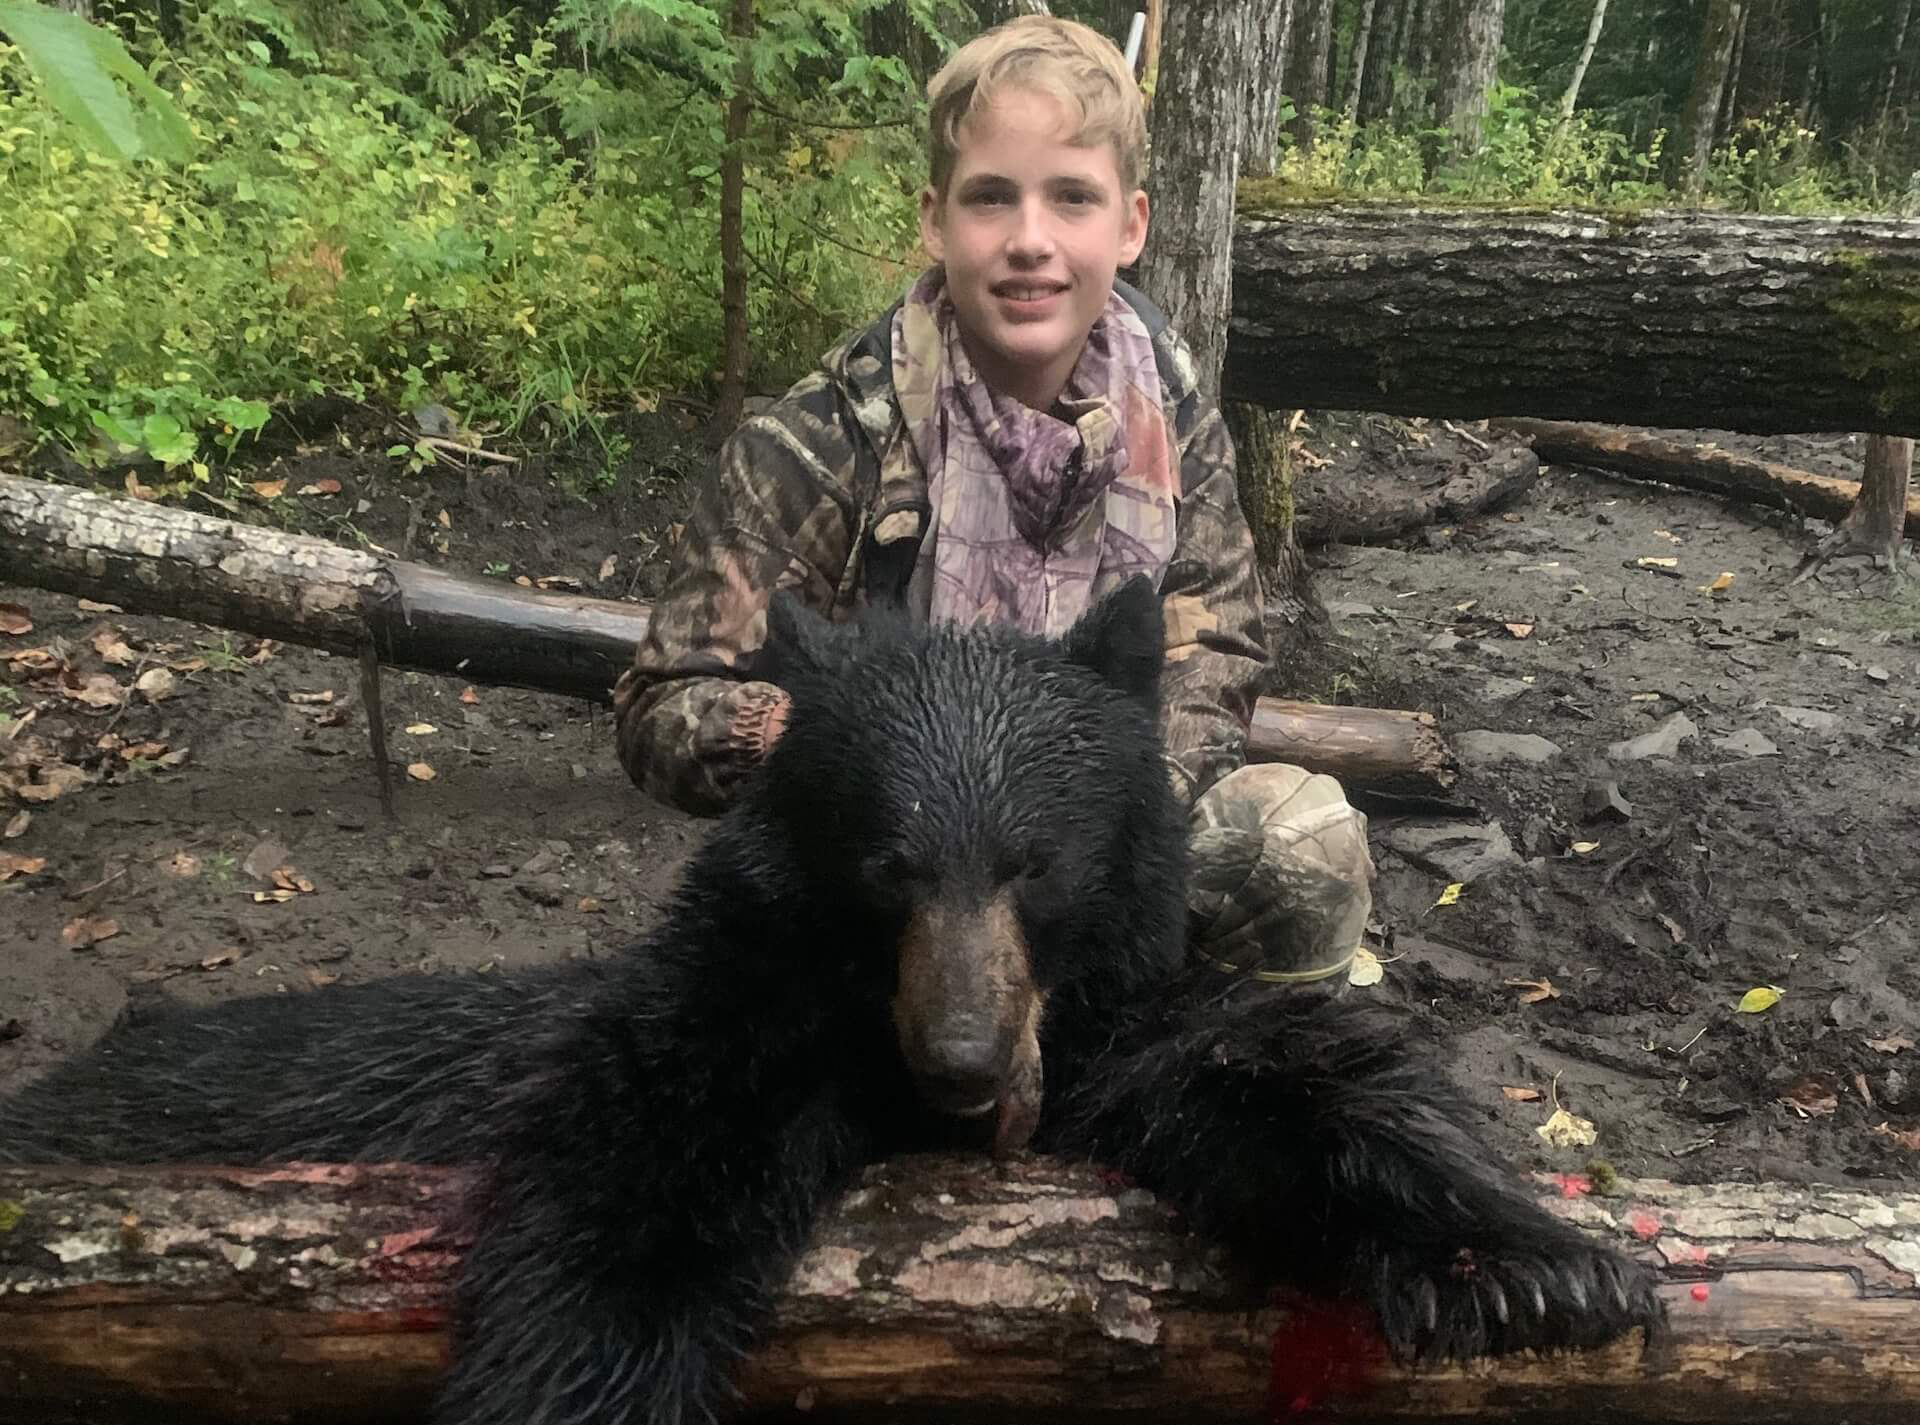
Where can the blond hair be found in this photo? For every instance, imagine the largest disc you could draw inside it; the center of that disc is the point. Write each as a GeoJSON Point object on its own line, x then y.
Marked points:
{"type": "Point", "coordinates": [1071, 63]}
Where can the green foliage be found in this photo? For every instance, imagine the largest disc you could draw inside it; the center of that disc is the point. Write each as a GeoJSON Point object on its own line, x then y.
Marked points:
{"type": "Point", "coordinates": [516, 218]}
{"type": "Point", "coordinates": [77, 64]}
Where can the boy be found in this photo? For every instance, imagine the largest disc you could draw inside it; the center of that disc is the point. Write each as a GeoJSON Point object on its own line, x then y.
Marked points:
{"type": "Point", "coordinates": [1017, 436]}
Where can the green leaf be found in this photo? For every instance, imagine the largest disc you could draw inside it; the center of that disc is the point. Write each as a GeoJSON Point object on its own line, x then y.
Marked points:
{"type": "Point", "coordinates": [77, 64]}
{"type": "Point", "coordinates": [1758, 1000]}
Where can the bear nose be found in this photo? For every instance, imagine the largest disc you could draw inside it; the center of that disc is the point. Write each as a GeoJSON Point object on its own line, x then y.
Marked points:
{"type": "Point", "coordinates": [961, 1074]}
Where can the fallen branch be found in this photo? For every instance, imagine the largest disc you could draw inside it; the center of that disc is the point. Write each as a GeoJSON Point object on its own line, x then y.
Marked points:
{"type": "Point", "coordinates": [1368, 506]}
{"type": "Point", "coordinates": [1647, 457]}
{"type": "Point", "coordinates": [159, 560]}
{"type": "Point", "coordinates": [942, 1289]}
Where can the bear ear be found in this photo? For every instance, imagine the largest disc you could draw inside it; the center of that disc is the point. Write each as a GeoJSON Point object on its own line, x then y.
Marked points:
{"type": "Point", "coordinates": [799, 641]}
{"type": "Point", "coordinates": [1123, 639]}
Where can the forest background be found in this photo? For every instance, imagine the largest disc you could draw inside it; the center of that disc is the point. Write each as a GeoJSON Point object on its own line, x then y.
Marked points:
{"type": "Point", "coordinates": [516, 214]}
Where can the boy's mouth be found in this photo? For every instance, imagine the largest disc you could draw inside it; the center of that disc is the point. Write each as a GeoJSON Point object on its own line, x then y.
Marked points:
{"type": "Point", "coordinates": [1029, 295]}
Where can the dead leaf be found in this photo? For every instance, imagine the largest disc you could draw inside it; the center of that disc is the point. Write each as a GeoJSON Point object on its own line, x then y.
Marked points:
{"type": "Point", "coordinates": [607, 566]}
{"type": "Point", "coordinates": [420, 772]}
{"type": "Point", "coordinates": [15, 619]}
{"type": "Point", "coordinates": [1584, 848]}
{"type": "Point", "coordinates": [1672, 927]}
{"type": "Point", "coordinates": [1451, 895]}
{"type": "Point", "coordinates": [1366, 968]}
{"type": "Point", "coordinates": [1521, 1095]}
{"type": "Point", "coordinates": [96, 690]}
{"type": "Point", "coordinates": [444, 520]}
{"type": "Point", "coordinates": [588, 904]}
{"type": "Point", "coordinates": [188, 665]}
{"type": "Point", "coordinates": [277, 896]}
{"type": "Point", "coordinates": [1759, 1000]}
{"type": "Point", "coordinates": [320, 979]}
{"type": "Point", "coordinates": [1860, 1086]}
{"type": "Point", "coordinates": [108, 643]}
{"type": "Point", "coordinates": [175, 758]}
{"type": "Point", "coordinates": [56, 780]}
{"type": "Point", "coordinates": [564, 582]}
{"type": "Point", "coordinates": [1520, 630]}
{"type": "Point", "coordinates": [18, 824]}
{"type": "Point", "coordinates": [139, 491]}
{"type": "Point", "coordinates": [155, 685]}
{"type": "Point", "coordinates": [36, 660]}
{"type": "Point", "coordinates": [1536, 990]}
{"type": "Point", "coordinates": [469, 696]}
{"type": "Point", "coordinates": [1565, 1130]}
{"type": "Point", "coordinates": [86, 932]}
{"type": "Point", "coordinates": [262, 653]}
{"type": "Point", "coordinates": [183, 865]}
{"type": "Point", "coordinates": [421, 729]}
{"type": "Point", "coordinates": [88, 606]}
{"type": "Point", "coordinates": [523, 581]}
{"type": "Point", "coordinates": [1719, 585]}
{"type": "Point", "coordinates": [1908, 1138]}
{"type": "Point", "coordinates": [1892, 1044]}
{"type": "Point", "coordinates": [214, 962]}
{"type": "Point", "coordinates": [12, 865]}
{"type": "Point", "coordinates": [288, 879]}
{"type": "Point", "coordinates": [1466, 607]}
{"type": "Point", "coordinates": [1668, 535]}
{"type": "Point", "coordinates": [320, 487]}
{"type": "Point", "coordinates": [143, 751]}
{"type": "Point", "coordinates": [1511, 517]}
{"type": "Point", "coordinates": [320, 698]}
{"type": "Point", "coordinates": [1811, 1096]}
{"type": "Point", "coordinates": [268, 489]}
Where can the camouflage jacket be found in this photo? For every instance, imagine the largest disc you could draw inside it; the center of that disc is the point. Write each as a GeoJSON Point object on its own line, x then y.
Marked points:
{"type": "Point", "coordinates": [822, 494]}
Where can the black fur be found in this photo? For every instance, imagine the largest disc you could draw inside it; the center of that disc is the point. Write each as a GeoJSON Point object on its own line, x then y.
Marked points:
{"type": "Point", "coordinates": [659, 1131]}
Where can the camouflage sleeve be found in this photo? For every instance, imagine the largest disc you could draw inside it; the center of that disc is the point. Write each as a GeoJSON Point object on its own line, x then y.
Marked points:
{"type": "Point", "coordinates": [1216, 636]}
{"type": "Point", "coordinates": [777, 511]}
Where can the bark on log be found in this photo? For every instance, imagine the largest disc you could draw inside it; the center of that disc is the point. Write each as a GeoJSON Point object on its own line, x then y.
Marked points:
{"type": "Point", "coordinates": [310, 591]}
{"type": "Point", "coordinates": [1692, 467]}
{"type": "Point", "coordinates": [1662, 319]}
{"type": "Point", "coordinates": [1376, 748]}
{"type": "Point", "coordinates": [941, 1289]}
{"type": "Point", "coordinates": [1371, 506]}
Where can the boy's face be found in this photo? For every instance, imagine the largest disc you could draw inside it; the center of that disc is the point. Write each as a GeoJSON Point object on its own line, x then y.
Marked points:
{"type": "Point", "coordinates": [1030, 230]}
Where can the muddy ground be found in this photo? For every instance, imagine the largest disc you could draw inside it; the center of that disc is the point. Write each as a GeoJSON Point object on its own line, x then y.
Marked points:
{"type": "Point", "coordinates": [1773, 846]}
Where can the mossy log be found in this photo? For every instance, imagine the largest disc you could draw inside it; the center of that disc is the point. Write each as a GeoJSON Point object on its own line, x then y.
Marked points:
{"type": "Point", "coordinates": [942, 1288]}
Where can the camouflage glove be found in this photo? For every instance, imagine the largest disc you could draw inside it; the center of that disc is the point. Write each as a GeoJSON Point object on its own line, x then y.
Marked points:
{"type": "Point", "coordinates": [1282, 879]}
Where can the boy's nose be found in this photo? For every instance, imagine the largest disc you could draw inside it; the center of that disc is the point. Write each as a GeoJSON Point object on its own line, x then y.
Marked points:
{"type": "Point", "coordinates": [1033, 234]}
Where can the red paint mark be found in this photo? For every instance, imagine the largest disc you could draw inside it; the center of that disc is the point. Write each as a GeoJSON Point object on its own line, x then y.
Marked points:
{"type": "Point", "coordinates": [1700, 1291]}
{"type": "Point", "coordinates": [1692, 1253]}
{"type": "Point", "coordinates": [1645, 1226]}
{"type": "Point", "coordinates": [1573, 1184]}
{"type": "Point", "coordinates": [395, 1243]}
{"type": "Point", "coordinates": [1323, 1352]}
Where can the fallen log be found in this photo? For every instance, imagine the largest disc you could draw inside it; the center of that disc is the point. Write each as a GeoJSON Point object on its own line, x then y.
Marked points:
{"type": "Point", "coordinates": [1370, 506]}
{"type": "Point", "coordinates": [941, 1289]}
{"type": "Point", "coordinates": [1693, 467]}
{"type": "Point", "coordinates": [159, 560]}
{"type": "Point", "coordinates": [1381, 749]}
{"type": "Point", "coordinates": [1735, 321]}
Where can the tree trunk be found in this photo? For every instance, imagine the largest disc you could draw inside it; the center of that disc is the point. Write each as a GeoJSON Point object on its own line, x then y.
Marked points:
{"type": "Point", "coordinates": [1263, 470]}
{"type": "Point", "coordinates": [1307, 65]}
{"type": "Point", "coordinates": [941, 1290]}
{"type": "Point", "coordinates": [1900, 26]}
{"type": "Point", "coordinates": [1572, 96]}
{"type": "Point", "coordinates": [1362, 42]}
{"type": "Point", "coordinates": [1199, 112]}
{"type": "Point", "coordinates": [1693, 144]}
{"type": "Point", "coordinates": [1264, 87]}
{"type": "Point", "coordinates": [1876, 526]}
{"type": "Point", "coordinates": [1729, 114]}
{"type": "Point", "coordinates": [1755, 482]}
{"type": "Point", "coordinates": [309, 591]}
{"type": "Point", "coordinates": [998, 12]}
{"type": "Point", "coordinates": [1470, 53]}
{"type": "Point", "coordinates": [1391, 21]}
{"type": "Point", "coordinates": [1661, 319]}
{"type": "Point", "coordinates": [733, 248]}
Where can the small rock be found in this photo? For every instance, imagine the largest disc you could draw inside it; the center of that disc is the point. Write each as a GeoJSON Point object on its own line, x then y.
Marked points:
{"type": "Point", "coordinates": [498, 871]}
{"type": "Point", "coordinates": [1604, 802]}
{"type": "Point", "coordinates": [1483, 749]}
{"type": "Point", "coordinates": [1450, 849]}
{"type": "Point", "coordinates": [1663, 741]}
{"type": "Point", "coordinates": [1444, 642]}
{"type": "Point", "coordinates": [543, 890]}
{"type": "Point", "coordinates": [1714, 1108]}
{"type": "Point", "coordinates": [265, 859]}
{"type": "Point", "coordinates": [1503, 689]}
{"type": "Point", "coordinates": [1877, 673]}
{"type": "Point", "coordinates": [1748, 742]}
{"type": "Point", "coordinates": [1809, 719]}
{"type": "Point", "coordinates": [540, 863]}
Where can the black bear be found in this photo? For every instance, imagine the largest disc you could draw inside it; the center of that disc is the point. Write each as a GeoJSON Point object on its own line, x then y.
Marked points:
{"type": "Point", "coordinates": [951, 905]}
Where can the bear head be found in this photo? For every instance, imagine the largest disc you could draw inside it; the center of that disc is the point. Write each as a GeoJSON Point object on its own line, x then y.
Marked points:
{"type": "Point", "coordinates": [993, 812]}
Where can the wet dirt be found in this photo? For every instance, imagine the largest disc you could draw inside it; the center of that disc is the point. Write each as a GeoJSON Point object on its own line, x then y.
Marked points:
{"type": "Point", "coordinates": [1594, 959]}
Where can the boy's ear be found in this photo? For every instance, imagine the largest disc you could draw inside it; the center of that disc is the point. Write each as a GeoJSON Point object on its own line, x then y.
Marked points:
{"type": "Point", "coordinates": [1123, 639]}
{"type": "Point", "coordinates": [799, 641]}
{"type": "Point", "coordinates": [931, 237]}
{"type": "Point", "coordinates": [1133, 234]}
